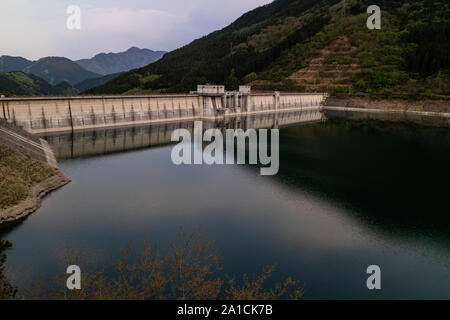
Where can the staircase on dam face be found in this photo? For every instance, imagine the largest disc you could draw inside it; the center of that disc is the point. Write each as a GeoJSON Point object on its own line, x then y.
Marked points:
{"type": "Point", "coordinates": [68, 114]}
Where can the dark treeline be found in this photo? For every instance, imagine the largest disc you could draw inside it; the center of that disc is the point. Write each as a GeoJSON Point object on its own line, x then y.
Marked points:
{"type": "Point", "coordinates": [431, 53]}
{"type": "Point", "coordinates": [7, 291]}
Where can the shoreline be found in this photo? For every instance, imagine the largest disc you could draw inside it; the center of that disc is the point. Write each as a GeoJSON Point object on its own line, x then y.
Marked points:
{"type": "Point", "coordinates": [434, 113]}
{"type": "Point", "coordinates": [396, 105]}
{"type": "Point", "coordinates": [388, 111]}
{"type": "Point", "coordinates": [34, 199]}
{"type": "Point", "coordinates": [28, 172]}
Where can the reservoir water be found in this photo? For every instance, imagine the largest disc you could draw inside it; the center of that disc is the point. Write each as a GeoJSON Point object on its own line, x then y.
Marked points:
{"type": "Point", "coordinates": [348, 195]}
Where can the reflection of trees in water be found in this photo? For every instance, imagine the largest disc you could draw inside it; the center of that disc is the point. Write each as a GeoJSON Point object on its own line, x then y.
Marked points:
{"type": "Point", "coordinates": [190, 270]}
{"type": "Point", "coordinates": [7, 291]}
{"type": "Point", "coordinates": [391, 176]}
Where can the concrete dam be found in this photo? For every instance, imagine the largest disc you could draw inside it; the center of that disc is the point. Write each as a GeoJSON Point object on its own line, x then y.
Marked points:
{"type": "Point", "coordinates": [45, 115]}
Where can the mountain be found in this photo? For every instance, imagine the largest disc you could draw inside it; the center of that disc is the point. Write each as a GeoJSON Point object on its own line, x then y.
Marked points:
{"type": "Point", "coordinates": [20, 83]}
{"type": "Point", "coordinates": [62, 72]}
{"type": "Point", "coordinates": [95, 82]}
{"type": "Point", "coordinates": [57, 69]}
{"type": "Point", "coordinates": [311, 45]}
{"type": "Point", "coordinates": [109, 63]}
{"type": "Point", "coordinates": [8, 63]}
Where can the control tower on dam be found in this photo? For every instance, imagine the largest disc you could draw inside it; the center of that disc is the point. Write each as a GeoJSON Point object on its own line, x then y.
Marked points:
{"type": "Point", "coordinates": [74, 113]}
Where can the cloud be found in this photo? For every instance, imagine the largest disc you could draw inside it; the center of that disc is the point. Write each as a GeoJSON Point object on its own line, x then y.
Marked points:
{"type": "Point", "coordinates": [34, 29]}
{"type": "Point", "coordinates": [115, 20]}
{"type": "Point", "coordinates": [116, 29]}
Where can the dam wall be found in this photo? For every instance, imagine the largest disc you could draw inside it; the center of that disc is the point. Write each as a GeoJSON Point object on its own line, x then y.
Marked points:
{"type": "Point", "coordinates": [64, 114]}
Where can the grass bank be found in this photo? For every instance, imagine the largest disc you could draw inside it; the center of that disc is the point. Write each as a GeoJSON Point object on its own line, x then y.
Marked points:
{"type": "Point", "coordinates": [18, 174]}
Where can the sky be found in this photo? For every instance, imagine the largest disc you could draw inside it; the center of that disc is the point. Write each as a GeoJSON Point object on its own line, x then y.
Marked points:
{"type": "Point", "coordinates": [38, 28]}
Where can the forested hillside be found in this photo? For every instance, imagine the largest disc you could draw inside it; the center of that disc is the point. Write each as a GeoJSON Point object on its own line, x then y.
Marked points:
{"type": "Point", "coordinates": [23, 84]}
{"type": "Point", "coordinates": [313, 46]}
{"type": "Point", "coordinates": [95, 82]}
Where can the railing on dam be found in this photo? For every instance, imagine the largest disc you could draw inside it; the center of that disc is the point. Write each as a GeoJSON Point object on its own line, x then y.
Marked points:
{"type": "Point", "coordinates": [59, 114]}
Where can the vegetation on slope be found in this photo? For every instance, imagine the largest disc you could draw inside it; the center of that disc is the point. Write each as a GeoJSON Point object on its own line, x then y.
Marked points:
{"type": "Point", "coordinates": [7, 291]}
{"type": "Point", "coordinates": [20, 83]}
{"type": "Point", "coordinates": [189, 270]}
{"type": "Point", "coordinates": [310, 45]}
{"type": "Point", "coordinates": [94, 82]}
{"type": "Point", "coordinates": [18, 173]}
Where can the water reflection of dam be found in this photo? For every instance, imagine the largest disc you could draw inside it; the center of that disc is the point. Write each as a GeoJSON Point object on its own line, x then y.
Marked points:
{"type": "Point", "coordinates": [104, 141]}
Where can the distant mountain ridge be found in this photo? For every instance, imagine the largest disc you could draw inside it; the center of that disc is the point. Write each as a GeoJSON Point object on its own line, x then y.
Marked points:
{"type": "Point", "coordinates": [58, 69]}
{"type": "Point", "coordinates": [58, 75]}
{"type": "Point", "coordinates": [109, 63]}
{"type": "Point", "coordinates": [9, 63]}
